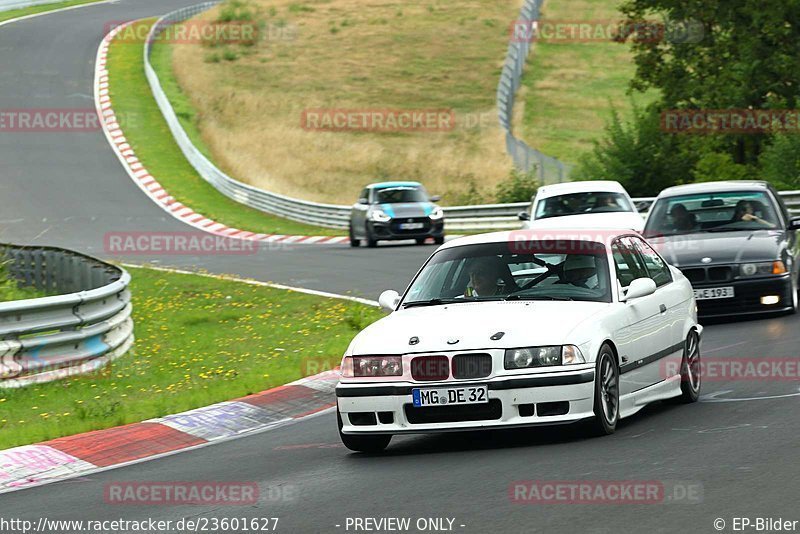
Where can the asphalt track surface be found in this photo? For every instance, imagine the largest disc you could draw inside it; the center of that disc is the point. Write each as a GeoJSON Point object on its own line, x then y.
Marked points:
{"type": "Point", "coordinates": [738, 443]}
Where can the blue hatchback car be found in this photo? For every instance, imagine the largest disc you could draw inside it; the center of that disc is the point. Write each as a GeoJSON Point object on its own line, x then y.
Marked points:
{"type": "Point", "coordinates": [389, 211]}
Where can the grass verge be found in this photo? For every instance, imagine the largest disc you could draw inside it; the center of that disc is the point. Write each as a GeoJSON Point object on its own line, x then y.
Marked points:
{"type": "Point", "coordinates": [251, 96]}
{"type": "Point", "coordinates": [570, 87]}
{"type": "Point", "coordinates": [148, 133]}
{"type": "Point", "coordinates": [33, 10]}
{"type": "Point", "coordinates": [200, 340]}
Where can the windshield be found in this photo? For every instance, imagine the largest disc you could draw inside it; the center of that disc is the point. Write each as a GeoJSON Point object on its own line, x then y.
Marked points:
{"type": "Point", "coordinates": [711, 212]}
{"type": "Point", "coordinates": [397, 195]}
{"type": "Point", "coordinates": [541, 270]}
{"type": "Point", "coordinates": [578, 203]}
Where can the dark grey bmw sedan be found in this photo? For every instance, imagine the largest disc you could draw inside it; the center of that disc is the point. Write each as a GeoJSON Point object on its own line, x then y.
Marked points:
{"type": "Point", "coordinates": [736, 243]}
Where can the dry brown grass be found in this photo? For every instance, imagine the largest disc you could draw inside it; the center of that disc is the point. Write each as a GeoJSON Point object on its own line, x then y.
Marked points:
{"type": "Point", "coordinates": [355, 54]}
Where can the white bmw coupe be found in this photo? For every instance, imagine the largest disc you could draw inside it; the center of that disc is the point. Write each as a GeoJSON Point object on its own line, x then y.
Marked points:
{"type": "Point", "coordinates": [515, 329]}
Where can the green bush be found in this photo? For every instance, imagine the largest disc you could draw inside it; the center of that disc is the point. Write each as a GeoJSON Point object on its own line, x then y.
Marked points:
{"type": "Point", "coordinates": [518, 187]}
{"type": "Point", "coordinates": [236, 11]}
{"type": "Point", "coordinates": [780, 162]}
{"type": "Point", "coordinates": [715, 166]}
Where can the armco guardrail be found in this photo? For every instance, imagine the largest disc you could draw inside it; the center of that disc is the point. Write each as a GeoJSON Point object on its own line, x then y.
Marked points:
{"type": "Point", "coordinates": [525, 158]}
{"type": "Point", "coordinates": [460, 218]}
{"type": "Point", "coordinates": [467, 218]}
{"type": "Point", "coordinates": [83, 326]}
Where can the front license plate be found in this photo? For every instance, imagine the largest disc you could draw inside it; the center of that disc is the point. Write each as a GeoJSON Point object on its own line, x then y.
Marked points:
{"type": "Point", "coordinates": [447, 396]}
{"type": "Point", "coordinates": [411, 226]}
{"type": "Point", "coordinates": [714, 293]}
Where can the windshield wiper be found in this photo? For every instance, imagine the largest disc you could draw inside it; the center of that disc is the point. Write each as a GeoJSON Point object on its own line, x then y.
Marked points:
{"type": "Point", "coordinates": [432, 302]}
{"type": "Point", "coordinates": [537, 297]}
{"type": "Point", "coordinates": [732, 229]}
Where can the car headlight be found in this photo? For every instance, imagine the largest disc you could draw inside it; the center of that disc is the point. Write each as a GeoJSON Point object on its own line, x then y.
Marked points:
{"type": "Point", "coordinates": [372, 366]}
{"type": "Point", "coordinates": [379, 216]}
{"type": "Point", "coordinates": [762, 268]}
{"type": "Point", "coordinates": [543, 356]}
{"type": "Point", "coordinates": [436, 214]}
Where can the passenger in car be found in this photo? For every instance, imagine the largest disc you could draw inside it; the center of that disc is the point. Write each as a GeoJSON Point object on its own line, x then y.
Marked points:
{"type": "Point", "coordinates": [581, 271]}
{"type": "Point", "coordinates": [745, 212]}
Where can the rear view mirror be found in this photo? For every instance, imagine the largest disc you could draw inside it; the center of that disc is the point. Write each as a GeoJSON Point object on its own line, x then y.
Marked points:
{"type": "Point", "coordinates": [641, 287]}
{"type": "Point", "coordinates": [436, 198]}
{"type": "Point", "coordinates": [524, 216]}
{"type": "Point", "coordinates": [363, 201]}
{"type": "Point", "coordinates": [794, 224]}
{"type": "Point", "coordinates": [389, 300]}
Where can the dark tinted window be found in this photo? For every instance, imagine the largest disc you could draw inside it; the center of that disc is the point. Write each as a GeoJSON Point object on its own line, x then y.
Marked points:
{"type": "Point", "coordinates": [629, 264]}
{"type": "Point", "coordinates": [400, 194]}
{"type": "Point", "coordinates": [656, 267]}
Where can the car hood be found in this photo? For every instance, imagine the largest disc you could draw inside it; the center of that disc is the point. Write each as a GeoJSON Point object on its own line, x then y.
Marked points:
{"type": "Point", "coordinates": [625, 220]}
{"type": "Point", "coordinates": [721, 247]}
{"type": "Point", "coordinates": [473, 323]}
{"type": "Point", "coordinates": [407, 209]}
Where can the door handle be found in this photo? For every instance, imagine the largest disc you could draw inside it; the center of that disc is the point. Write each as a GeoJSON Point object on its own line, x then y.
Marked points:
{"type": "Point", "coordinates": [663, 308]}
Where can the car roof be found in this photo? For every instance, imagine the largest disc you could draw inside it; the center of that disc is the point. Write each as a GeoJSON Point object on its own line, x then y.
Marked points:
{"type": "Point", "coordinates": [387, 185]}
{"type": "Point", "coordinates": [589, 186]}
{"type": "Point", "coordinates": [596, 235]}
{"type": "Point", "coordinates": [714, 187]}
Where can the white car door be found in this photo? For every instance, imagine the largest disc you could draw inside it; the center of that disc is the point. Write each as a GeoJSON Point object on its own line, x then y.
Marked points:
{"type": "Point", "coordinates": [644, 330]}
{"type": "Point", "coordinates": [674, 299]}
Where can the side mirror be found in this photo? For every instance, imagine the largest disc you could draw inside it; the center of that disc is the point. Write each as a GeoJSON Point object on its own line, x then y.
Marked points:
{"type": "Point", "coordinates": [389, 299]}
{"type": "Point", "coordinates": [641, 287]}
{"type": "Point", "coordinates": [435, 198]}
{"type": "Point", "coordinates": [363, 201]}
{"type": "Point", "coordinates": [524, 216]}
{"type": "Point", "coordinates": [794, 223]}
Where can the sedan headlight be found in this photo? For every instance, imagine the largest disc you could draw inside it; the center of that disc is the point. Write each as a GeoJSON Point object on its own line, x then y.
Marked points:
{"type": "Point", "coordinates": [379, 216]}
{"type": "Point", "coordinates": [762, 268]}
{"type": "Point", "coordinates": [372, 366]}
{"type": "Point", "coordinates": [543, 356]}
{"type": "Point", "coordinates": [436, 214]}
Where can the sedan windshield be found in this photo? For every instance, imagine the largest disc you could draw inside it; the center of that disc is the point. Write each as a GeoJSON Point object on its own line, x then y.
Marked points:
{"type": "Point", "coordinates": [535, 270]}
{"type": "Point", "coordinates": [578, 203]}
{"type": "Point", "coordinates": [712, 212]}
{"type": "Point", "coordinates": [398, 195]}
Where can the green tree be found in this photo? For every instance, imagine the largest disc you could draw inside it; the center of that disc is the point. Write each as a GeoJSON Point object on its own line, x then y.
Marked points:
{"type": "Point", "coordinates": [780, 162]}
{"type": "Point", "coordinates": [741, 54]}
{"type": "Point", "coordinates": [638, 155]}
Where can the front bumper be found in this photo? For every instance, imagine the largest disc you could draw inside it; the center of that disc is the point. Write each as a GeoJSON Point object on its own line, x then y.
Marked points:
{"type": "Point", "coordinates": [747, 299]}
{"type": "Point", "coordinates": [523, 400]}
{"type": "Point", "coordinates": [391, 230]}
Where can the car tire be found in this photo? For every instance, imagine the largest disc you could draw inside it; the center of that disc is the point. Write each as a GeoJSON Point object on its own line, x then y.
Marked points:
{"type": "Point", "coordinates": [371, 242]}
{"type": "Point", "coordinates": [606, 393]}
{"type": "Point", "coordinates": [439, 240]}
{"type": "Point", "coordinates": [691, 369]}
{"type": "Point", "coordinates": [370, 444]}
{"type": "Point", "coordinates": [353, 241]}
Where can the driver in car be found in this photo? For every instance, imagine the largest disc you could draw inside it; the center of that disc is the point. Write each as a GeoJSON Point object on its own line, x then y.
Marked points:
{"type": "Point", "coordinates": [485, 275]}
{"type": "Point", "coordinates": [581, 271]}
